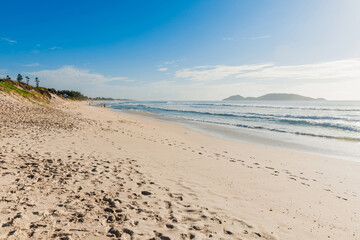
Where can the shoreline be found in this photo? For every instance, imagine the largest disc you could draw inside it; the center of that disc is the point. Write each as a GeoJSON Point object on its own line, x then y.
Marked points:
{"type": "Point", "coordinates": [145, 178]}
{"type": "Point", "coordinates": [294, 143]}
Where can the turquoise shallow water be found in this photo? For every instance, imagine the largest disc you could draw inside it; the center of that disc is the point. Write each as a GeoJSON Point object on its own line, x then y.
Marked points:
{"type": "Point", "coordinates": [321, 125]}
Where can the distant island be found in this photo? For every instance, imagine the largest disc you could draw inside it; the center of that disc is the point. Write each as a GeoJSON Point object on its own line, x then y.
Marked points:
{"type": "Point", "coordinates": [275, 97]}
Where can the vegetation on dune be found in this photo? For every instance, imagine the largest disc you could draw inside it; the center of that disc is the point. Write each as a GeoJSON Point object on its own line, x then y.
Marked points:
{"type": "Point", "coordinates": [109, 99]}
{"type": "Point", "coordinates": [19, 78]}
{"type": "Point", "coordinates": [24, 90]}
{"type": "Point", "coordinates": [35, 94]}
{"type": "Point", "coordinates": [11, 88]}
{"type": "Point", "coordinates": [74, 95]}
{"type": "Point", "coordinates": [37, 82]}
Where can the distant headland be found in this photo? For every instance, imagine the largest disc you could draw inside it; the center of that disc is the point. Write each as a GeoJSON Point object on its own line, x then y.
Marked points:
{"type": "Point", "coordinates": [275, 97]}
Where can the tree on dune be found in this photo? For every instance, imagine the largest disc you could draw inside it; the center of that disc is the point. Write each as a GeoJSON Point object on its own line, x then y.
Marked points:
{"type": "Point", "coordinates": [19, 78]}
{"type": "Point", "coordinates": [37, 82]}
{"type": "Point", "coordinates": [27, 79]}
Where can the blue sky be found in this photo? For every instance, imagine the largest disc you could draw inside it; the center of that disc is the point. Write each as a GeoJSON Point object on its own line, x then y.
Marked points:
{"type": "Point", "coordinates": [193, 50]}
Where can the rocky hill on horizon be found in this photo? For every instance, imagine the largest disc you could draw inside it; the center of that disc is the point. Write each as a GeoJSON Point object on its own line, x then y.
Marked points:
{"type": "Point", "coordinates": [275, 97]}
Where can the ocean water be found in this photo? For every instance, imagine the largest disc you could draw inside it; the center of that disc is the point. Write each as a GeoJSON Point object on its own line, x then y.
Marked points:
{"type": "Point", "coordinates": [325, 127]}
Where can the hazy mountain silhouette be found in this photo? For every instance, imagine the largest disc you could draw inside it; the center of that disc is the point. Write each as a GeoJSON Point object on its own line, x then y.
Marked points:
{"type": "Point", "coordinates": [274, 97]}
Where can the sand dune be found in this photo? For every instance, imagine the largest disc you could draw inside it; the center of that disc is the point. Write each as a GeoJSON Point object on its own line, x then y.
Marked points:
{"type": "Point", "coordinates": [70, 171]}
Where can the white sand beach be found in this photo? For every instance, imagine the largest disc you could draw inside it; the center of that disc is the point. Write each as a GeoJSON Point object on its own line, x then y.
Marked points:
{"type": "Point", "coordinates": [71, 171]}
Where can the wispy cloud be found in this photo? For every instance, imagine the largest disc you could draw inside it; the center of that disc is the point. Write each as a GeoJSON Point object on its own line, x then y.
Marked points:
{"type": "Point", "coordinates": [118, 81]}
{"type": "Point", "coordinates": [228, 39]}
{"type": "Point", "coordinates": [8, 40]}
{"type": "Point", "coordinates": [245, 38]}
{"type": "Point", "coordinates": [55, 48]}
{"type": "Point", "coordinates": [216, 72]}
{"type": "Point", "coordinates": [260, 37]}
{"type": "Point", "coordinates": [69, 77]}
{"type": "Point", "coordinates": [32, 65]}
{"type": "Point", "coordinates": [341, 70]}
{"type": "Point", "coordinates": [165, 66]}
{"type": "Point", "coordinates": [169, 62]}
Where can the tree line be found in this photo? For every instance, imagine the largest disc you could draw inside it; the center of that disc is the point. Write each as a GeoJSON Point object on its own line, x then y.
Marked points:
{"type": "Point", "coordinates": [20, 78]}
{"type": "Point", "coordinates": [72, 94]}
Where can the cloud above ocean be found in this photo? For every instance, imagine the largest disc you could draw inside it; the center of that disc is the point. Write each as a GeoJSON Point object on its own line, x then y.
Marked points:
{"type": "Point", "coordinates": [212, 82]}
{"type": "Point", "coordinates": [342, 70]}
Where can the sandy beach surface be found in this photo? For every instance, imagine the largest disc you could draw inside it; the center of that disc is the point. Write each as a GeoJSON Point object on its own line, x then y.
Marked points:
{"type": "Point", "coordinates": [71, 171]}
